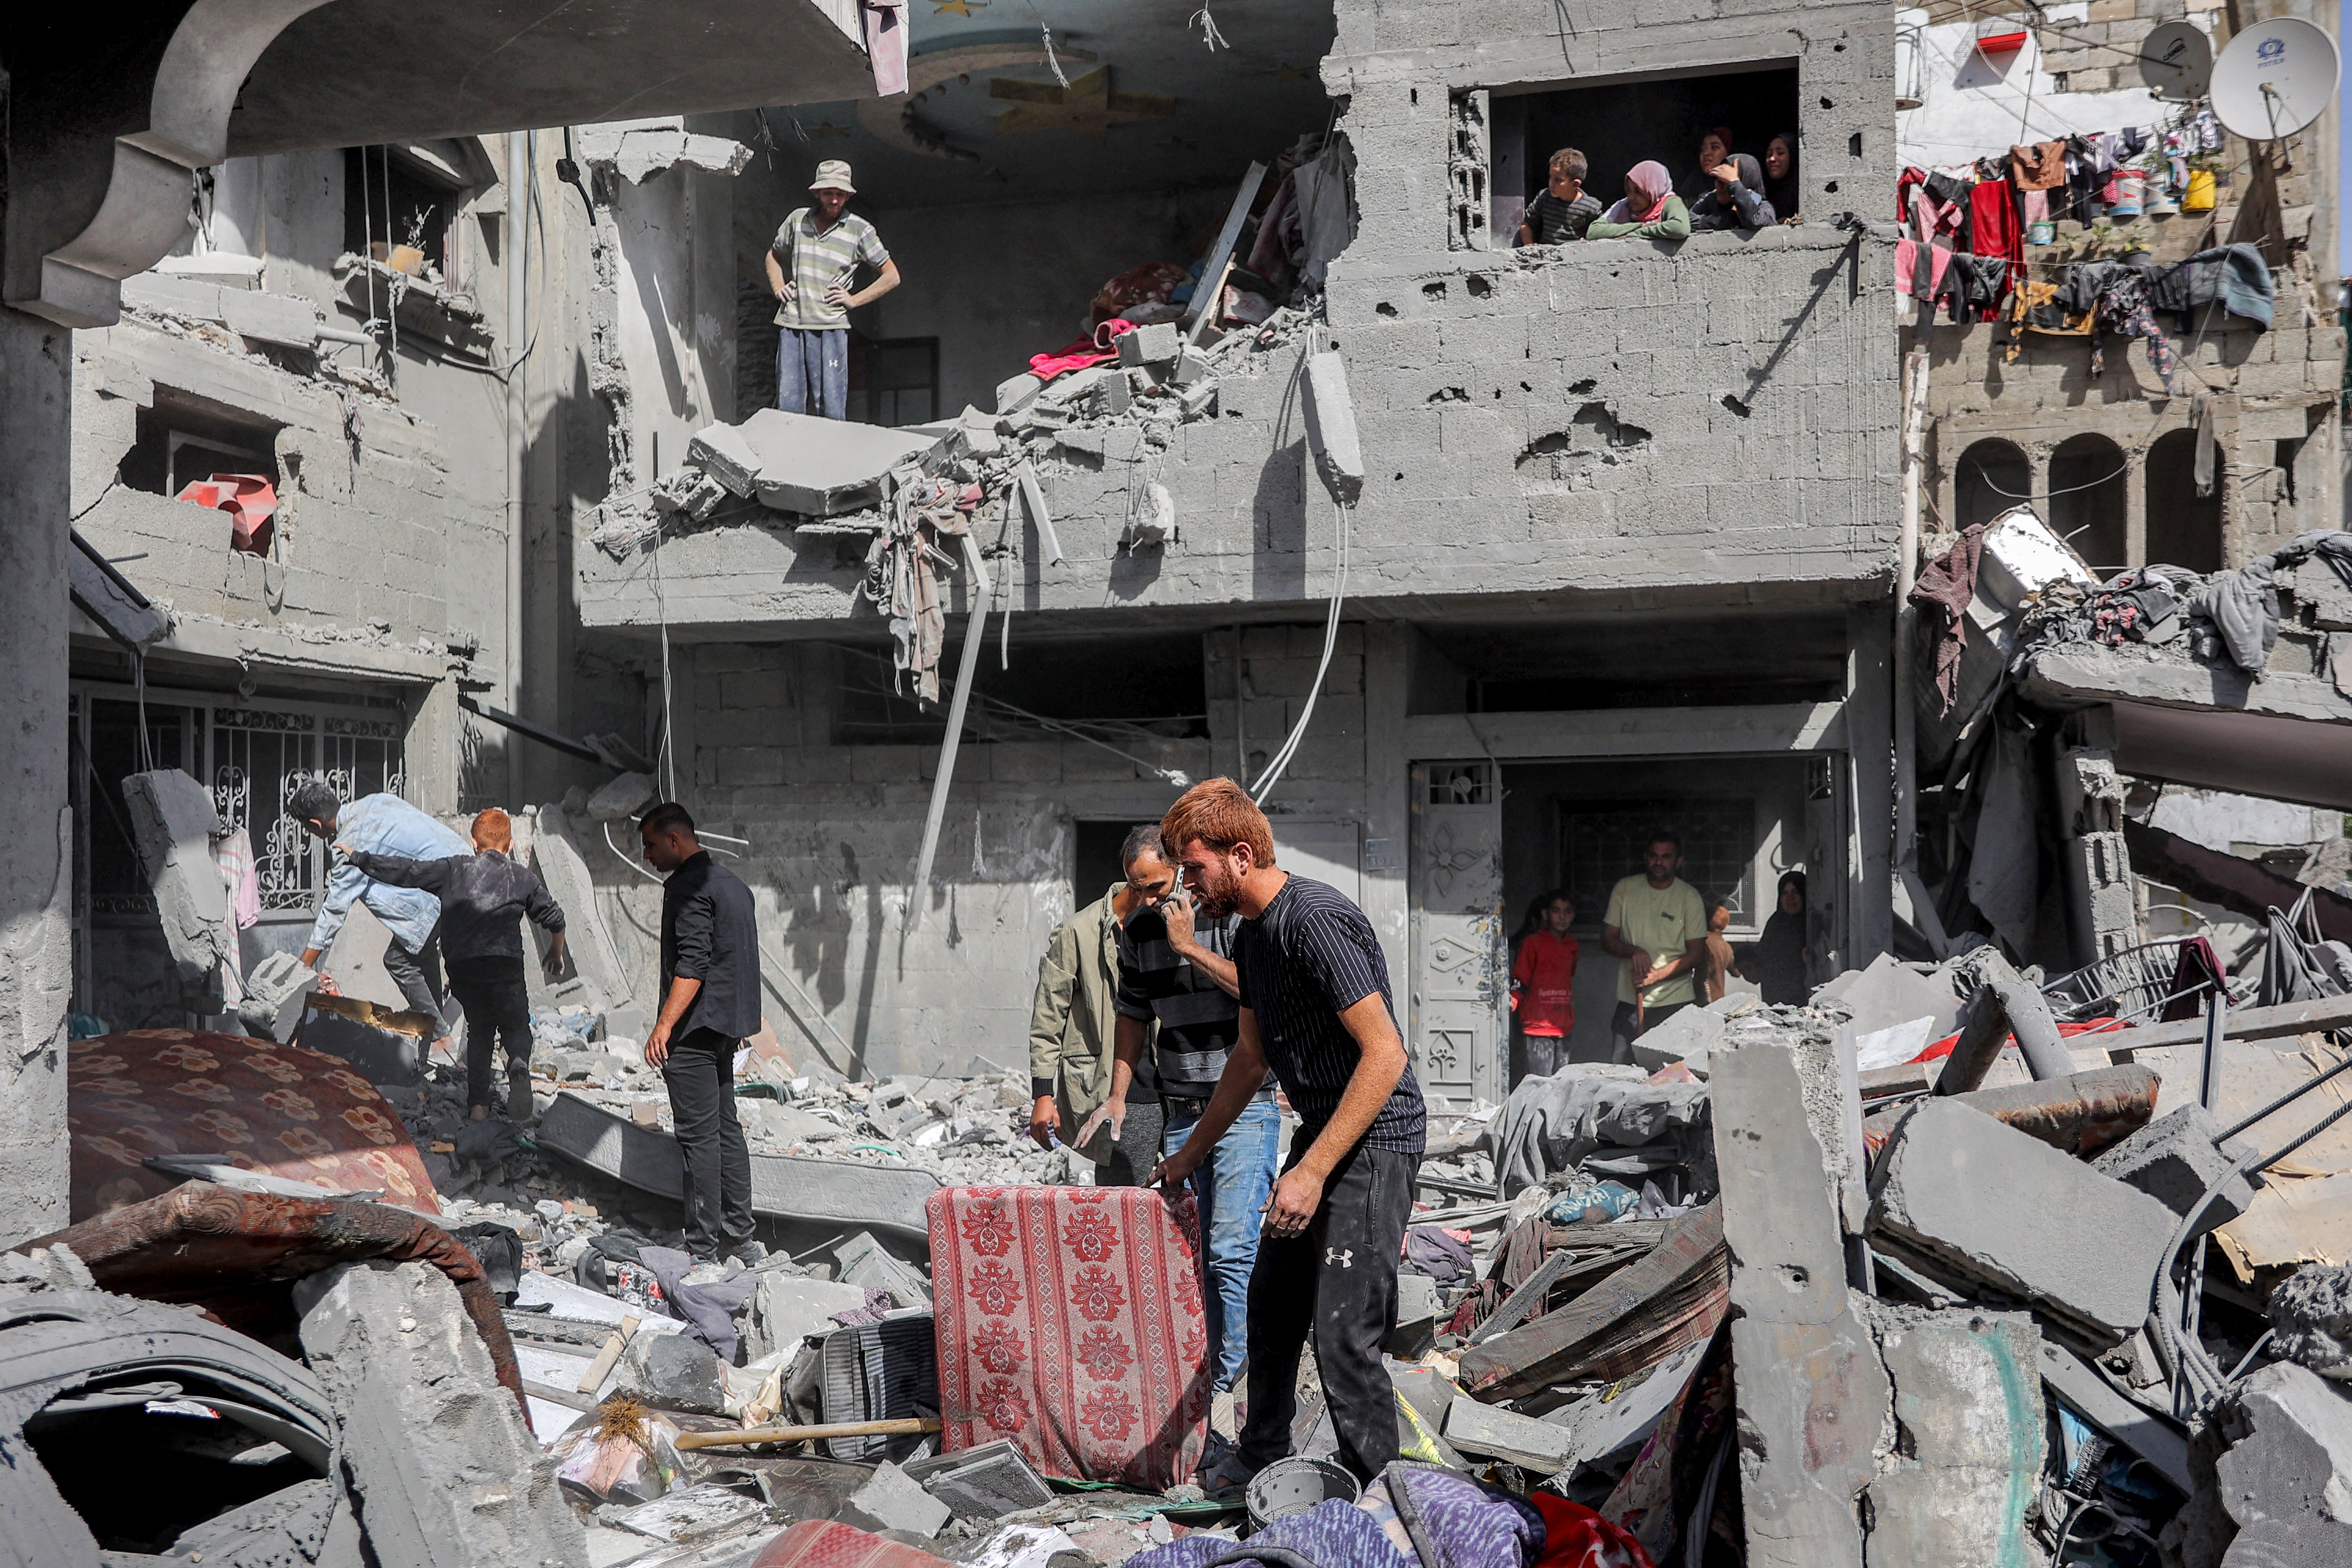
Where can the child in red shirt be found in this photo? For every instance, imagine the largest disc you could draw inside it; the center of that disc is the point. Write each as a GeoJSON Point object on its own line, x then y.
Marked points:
{"type": "Point", "coordinates": [1543, 987]}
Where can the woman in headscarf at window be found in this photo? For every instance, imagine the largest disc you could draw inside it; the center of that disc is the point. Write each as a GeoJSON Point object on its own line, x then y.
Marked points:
{"type": "Point", "coordinates": [1780, 178]}
{"type": "Point", "coordinates": [1650, 209]}
{"type": "Point", "coordinates": [1738, 199]}
{"type": "Point", "coordinates": [1713, 149]}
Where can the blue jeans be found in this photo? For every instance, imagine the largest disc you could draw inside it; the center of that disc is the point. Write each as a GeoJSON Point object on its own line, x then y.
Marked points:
{"type": "Point", "coordinates": [813, 372]}
{"type": "Point", "coordinates": [1231, 1185]}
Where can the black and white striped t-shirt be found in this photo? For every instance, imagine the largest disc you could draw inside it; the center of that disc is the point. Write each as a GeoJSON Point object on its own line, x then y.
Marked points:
{"type": "Point", "coordinates": [1198, 1022]}
{"type": "Point", "coordinates": [1310, 957]}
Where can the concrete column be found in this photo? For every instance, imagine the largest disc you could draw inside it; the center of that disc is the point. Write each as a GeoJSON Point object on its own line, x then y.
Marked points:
{"type": "Point", "coordinates": [1869, 721]}
{"type": "Point", "coordinates": [2136, 507]}
{"type": "Point", "coordinates": [36, 878]}
{"type": "Point", "coordinates": [1388, 788]}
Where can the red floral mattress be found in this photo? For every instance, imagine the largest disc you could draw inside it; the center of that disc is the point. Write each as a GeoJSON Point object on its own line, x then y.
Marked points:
{"type": "Point", "coordinates": [302, 1115]}
{"type": "Point", "coordinates": [1069, 1322]}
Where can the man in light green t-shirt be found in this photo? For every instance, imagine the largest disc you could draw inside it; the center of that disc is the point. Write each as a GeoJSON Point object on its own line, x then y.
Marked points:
{"type": "Point", "coordinates": [1656, 925]}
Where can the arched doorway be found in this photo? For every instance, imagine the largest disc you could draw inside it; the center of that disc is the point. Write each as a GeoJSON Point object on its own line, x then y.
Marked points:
{"type": "Point", "coordinates": [1991, 476]}
{"type": "Point", "coordinates": [2184, 529]}
{"type": "Point", "coordinates": [2088, 503]}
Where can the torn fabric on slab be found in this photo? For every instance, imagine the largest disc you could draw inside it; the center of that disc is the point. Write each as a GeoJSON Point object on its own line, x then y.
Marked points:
{"type": "Point", "coordinates": [886, 44]}
{"type": "Point", "coordinates": [2004, 860]}
{"type": "Point", "coordinates": [2243, 607]}
{"type": "Point", "coordinates": [1949, 586]}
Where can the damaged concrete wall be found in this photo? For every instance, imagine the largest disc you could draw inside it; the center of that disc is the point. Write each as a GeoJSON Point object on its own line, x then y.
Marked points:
{"type": "Point", "coordinates": [834, 831]}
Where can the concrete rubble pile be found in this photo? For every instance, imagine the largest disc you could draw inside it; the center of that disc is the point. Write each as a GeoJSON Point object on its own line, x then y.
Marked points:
{"type": "Point", "coordinates": [827, 477]}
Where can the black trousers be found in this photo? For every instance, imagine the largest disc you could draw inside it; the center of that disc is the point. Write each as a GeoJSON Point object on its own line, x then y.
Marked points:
{"type": "Point", "coordinates": [498, 1008]}
{"type": "Point", "coordinates": [408, 969]}
{"type": "Point", "coordinates": [1625, 1026]}
{"type": "Point", "coordinates": [1338, 1282]}
{"type": "Point", "coordinates": [1138, 1151]}
{"type": "Point", "coordinates": [701, 1073]}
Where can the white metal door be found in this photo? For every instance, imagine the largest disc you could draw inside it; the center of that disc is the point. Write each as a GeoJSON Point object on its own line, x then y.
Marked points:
{"type": "Point", "coordinates": [1458, 1037]}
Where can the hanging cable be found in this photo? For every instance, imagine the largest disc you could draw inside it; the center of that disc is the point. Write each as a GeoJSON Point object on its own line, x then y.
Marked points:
{"type": "Point", "coordinates": [1281, 760]}
{"type": "Point", "coordinates": [1209, 34]}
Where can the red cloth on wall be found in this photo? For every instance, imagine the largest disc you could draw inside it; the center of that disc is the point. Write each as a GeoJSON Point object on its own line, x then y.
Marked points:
{"type": "Point", "coordinates": [1993, 229]}
{"type": "Point", "coordinates": [1543, 983]}
{"type": "Point", "coordinates": [1069, 1320]}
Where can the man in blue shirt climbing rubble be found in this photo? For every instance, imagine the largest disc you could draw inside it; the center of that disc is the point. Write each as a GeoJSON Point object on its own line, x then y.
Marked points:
{"type": "Point", "coordinates": [1315, 1006]}
{"type": "Point", "coordinates": [378, 823]}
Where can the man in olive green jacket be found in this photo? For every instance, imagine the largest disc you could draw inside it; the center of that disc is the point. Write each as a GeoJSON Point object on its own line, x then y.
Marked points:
{"type": "Point", "coordinates": [1071, 1031]}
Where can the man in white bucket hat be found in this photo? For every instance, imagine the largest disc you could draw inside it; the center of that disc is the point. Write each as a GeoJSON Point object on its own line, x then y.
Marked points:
{"type": "Point", "coordinates": [811, 262]}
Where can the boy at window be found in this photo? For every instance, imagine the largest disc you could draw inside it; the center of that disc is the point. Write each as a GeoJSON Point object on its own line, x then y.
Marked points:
{"type": "Point", "coordinates": [1562, 213]}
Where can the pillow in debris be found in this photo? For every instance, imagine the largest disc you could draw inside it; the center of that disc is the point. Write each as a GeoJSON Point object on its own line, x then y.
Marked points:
{"type": "Point", "coordinates": [277, 1110]}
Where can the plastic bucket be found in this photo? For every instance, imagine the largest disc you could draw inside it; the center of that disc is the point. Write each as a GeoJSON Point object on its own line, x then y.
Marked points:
{"type": "Point", "coordinates": [2199, 198]}
{"type": "Point", "coordinates": [2041, 232]}
{"type": "Point", "coordinates": [2129, 191]}
{"type": "Point", "coordinates": [1297, 1484]}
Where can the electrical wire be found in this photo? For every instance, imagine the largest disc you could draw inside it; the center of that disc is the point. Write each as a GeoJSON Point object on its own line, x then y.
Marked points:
{"type": "Point", "coordinates": [1281, 760]}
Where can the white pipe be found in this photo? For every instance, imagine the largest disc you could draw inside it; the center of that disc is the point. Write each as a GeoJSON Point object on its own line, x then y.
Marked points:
{"type": "Point", "coordinates": [345, 335]}
{"type": "Point", "coordinates": [1906, 573]}
{"type": "Point", "coordinates": [518, 260]}
{"type": "Point", "coordinates": [974, 635]}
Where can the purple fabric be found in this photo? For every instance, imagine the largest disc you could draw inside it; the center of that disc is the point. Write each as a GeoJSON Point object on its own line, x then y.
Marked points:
{"type": "Point", "coordinates": [1452, 1521]}
{"type": "Point", "coordinates": [1332, 1534]}
{"type": "Point", "coordinates": [708, 1309]}
{"type": "Point", "coordinates": [1429, 1250]}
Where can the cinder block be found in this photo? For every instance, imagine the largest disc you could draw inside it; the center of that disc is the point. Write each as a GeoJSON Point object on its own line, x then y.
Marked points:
{"type": "Point", "coordinates": [1156, 344]}
{"type": "Point", "coordinates": [893, 1499]}
{"type": "Point", "coordinates": [2174, 1159]}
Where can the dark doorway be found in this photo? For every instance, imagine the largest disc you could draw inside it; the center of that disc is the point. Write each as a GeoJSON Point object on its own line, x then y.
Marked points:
{"type": "Point", "coordinates": [1094, 860]}
{"type": "Point", "coordinates": [1993, 476]}
{"type": "Point", "coordinates": [2184, 529]}
{"type": "Point", "coordinates": [2088, 501]}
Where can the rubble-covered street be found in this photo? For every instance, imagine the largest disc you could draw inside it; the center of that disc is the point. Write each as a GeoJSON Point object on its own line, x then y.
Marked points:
{"type": "Point", "coordinates": [1175, 784]}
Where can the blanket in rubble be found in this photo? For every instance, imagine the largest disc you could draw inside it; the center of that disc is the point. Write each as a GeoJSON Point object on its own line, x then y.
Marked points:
{"type": "Point", "coordinates": [1069, 1320]}
{"type": "Point", "coordinates": [1417, 1516]}
{"type": "Point", "coordinates": [278, 1110]}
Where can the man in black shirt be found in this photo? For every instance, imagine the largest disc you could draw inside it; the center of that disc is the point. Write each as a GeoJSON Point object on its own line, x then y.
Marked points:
{"type": "Point", "coordinates": [710, 1004]}
{"type": "Point", "coordinates": [1313, 989]}
{"type": "Point", "coordinates": [1178, 969]}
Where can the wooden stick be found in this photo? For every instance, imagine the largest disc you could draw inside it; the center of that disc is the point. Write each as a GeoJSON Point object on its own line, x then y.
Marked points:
{"type": "Point", "coordinates": [602, 1365]}
{"type": "Point", "coordinates": [802, 1434]}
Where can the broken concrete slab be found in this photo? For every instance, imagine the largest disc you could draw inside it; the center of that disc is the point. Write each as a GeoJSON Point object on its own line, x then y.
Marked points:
{"type": "Point", "coordinates": [639, 150]}
{"type": "Point", "coordinates": [1963, 1197]}
{"type": "Point", "coordinates": [1686, 1037]}
{"type": "Point", "coordinates": [2311, 1317]}
{"type": "Point", "coordinates": [1602, 1427]}
{"type": "Point", "coordinates": [1890, 991]}
{"type": "Point", "coordinates": [1017, 393]}
{"type": "Point", "coordinates": [555, 856]}
{"type": "Point", "coordinates": [1506, 1435]}
{"type": "Point", "coordinates": [446, 1469]}
{"type": "Point", "coordinates": [172, 824]}
{"type": "Point", "coordinates": [800, 463]}
{"type": "Point", "coordinates": [1331, 426]}
{"type": "Point", "coordinates": [1969, 1454]}
{"type": "Point", "coordinates": [783, 1186]}
{"type": "Point", "coordinates": [1780, 1215]}
{"type": "Point", "coordinates": [2175, 1159]}
{"type": "Point", "coordinates": [862, 1260]}
{"type": "Point", "coordinates": [1155, 344]}
{"type": "Point", "coordinates": [1813, 1399]}
{"type": "Point", "coordinates": [893, 1499]}
{"type": "Point", "coordinates": [2288, 1470]}
{"type": "Point", "coordinates": [672, 1372]}
{"type": "Point", "coordinates": [273, 997]}
{"type": "Point", "coordinates": [787, 1307]}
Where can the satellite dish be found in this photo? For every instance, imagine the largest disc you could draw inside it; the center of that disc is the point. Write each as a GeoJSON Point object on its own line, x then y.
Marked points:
{"type": "Point", "coordinates": [2177, 61]}
{"type": "Point", "coordinates": [2274, 78]}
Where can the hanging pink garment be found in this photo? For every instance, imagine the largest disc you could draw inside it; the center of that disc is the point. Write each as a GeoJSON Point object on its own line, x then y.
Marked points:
{"type": "Point", "coordinates": [886, 44]}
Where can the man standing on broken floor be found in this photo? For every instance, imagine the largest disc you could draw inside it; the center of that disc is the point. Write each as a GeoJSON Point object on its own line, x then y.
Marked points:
{"type": "Point", "coordinates": [1176, 969]}
{"type": "Point", "coordinates": [810, 261]}
{"type": "Point", "coordinates": [1314, 1005]}
{"type": "Point", "coordinates": [711, 1005]}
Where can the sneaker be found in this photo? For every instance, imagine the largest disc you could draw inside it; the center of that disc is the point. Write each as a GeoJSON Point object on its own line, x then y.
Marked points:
{"type": "Point", "coordinates": [751, 1253]}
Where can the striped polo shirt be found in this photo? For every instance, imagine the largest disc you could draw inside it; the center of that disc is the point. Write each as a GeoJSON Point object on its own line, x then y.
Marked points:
{"type": "Point", "coordinates": [1198, 1022]}
{"type": "Point", "coordinates": [1307, 959]}
{"type": "Point", "coordinates": [816, 261]}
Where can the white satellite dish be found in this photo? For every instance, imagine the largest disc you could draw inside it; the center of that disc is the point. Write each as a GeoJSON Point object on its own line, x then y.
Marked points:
{"type": "Point", "coordinates": [2177, 61]}
{"type": "Point", "coordinates": [2274, 78]}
